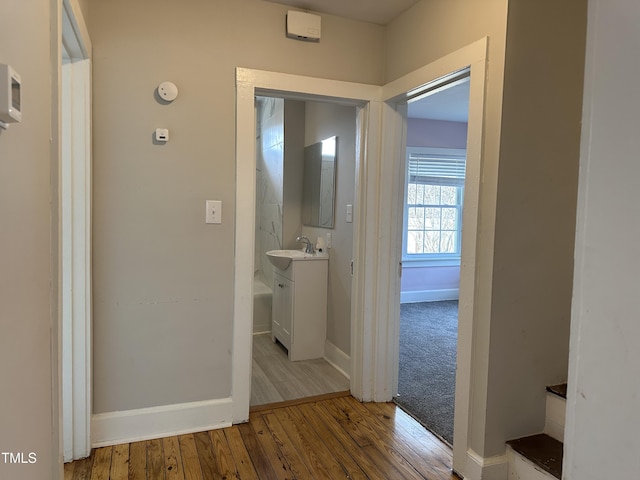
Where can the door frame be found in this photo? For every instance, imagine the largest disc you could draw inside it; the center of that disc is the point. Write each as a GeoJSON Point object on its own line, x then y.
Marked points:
{"type": "Point", "coordinates": [75, 233]}
{"type": "Point", "coordinates": [395, 95]}
{"type": "Point", "coordinates": [366, 98]}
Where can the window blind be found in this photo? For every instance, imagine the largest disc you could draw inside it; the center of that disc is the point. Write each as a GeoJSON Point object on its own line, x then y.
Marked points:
{"type": "Point", "coordinates": [436, 169]}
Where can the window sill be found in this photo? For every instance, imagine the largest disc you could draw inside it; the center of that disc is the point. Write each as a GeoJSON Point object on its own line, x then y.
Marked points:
{"type": "Point", "coordinates": [430, 262]}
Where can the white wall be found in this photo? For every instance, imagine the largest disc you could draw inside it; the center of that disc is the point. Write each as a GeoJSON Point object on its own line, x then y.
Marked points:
{"type": "Point", "coordinates": [163, 279]}
{"type": "Point", "coordinates": [324, 120]}
{"type": "Point", "coordinates": [603, 419]}
{"type": "Point", "coordinates": [28, 245]}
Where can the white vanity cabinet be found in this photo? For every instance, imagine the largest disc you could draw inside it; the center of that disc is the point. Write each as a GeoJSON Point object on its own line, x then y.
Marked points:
{"type": "Point", "coordinates": [299, 308]}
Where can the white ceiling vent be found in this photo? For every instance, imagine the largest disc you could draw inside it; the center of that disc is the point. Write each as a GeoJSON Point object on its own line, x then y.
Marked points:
{"type": "Point", "coordinates": [303, 26]}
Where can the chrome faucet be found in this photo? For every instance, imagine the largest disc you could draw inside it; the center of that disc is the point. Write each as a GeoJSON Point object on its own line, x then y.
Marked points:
{"type": "Point", "coordinates": [309, 248]}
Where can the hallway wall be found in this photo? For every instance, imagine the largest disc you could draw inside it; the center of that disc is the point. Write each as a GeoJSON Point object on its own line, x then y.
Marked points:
{"type": "Point", "coordinates": [28, 241]}
{"type": "Point", "coordinates": [163, 279]}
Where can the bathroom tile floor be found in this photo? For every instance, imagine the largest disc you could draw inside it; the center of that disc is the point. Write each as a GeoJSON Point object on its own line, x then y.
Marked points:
{"type": "Point", "coordinates": [275, 379]}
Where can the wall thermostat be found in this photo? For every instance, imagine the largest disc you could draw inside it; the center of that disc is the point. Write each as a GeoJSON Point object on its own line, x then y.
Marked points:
{"type": "Point", "coordinates": [168, 91]}
{"type": "Point", "coordinates": [10, 96]}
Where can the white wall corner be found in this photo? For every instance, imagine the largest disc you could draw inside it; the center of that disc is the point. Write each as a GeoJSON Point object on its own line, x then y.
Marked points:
{"type": "Point", "coordinates": [491, 468]}
{"type": "Point", "coordinates": [336, 357]}
{"type": "Point", "coordinates": [127, 426]}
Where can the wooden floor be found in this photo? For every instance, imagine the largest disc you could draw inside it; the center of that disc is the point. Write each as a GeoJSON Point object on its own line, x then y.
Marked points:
{"type": "Point", "coordinates": [275, 379]}
{"type": "Point", "coordinates": [323, 439]}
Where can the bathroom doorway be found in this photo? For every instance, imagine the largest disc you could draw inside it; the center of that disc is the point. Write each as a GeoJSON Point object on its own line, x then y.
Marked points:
{"type": "Point", "coordinates": [285, 129]}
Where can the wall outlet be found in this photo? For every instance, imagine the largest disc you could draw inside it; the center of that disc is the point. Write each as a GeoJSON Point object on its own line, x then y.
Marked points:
{"type": "Point", "coordinates": [214, 211]}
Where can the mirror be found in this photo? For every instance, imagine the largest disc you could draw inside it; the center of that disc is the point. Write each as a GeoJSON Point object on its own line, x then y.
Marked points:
{"type": "Point", "coordinates": [318, 190]}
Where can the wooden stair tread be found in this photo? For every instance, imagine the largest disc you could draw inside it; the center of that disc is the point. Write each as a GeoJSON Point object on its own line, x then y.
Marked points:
{"type": "Point", "coordinates": [544, 451]}
{"type": "Point", "coordinates": [560, 390]}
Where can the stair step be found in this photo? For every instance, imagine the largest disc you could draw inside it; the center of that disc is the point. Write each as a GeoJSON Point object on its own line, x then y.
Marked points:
{"type": "Point", "coordinates": [542, 450]}
{"type": "Point", "coordinates": [560, 390]}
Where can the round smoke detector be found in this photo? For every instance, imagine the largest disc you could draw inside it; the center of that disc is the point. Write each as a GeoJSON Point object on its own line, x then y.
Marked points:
{"type": "Point", "coordinates": [168, 91]}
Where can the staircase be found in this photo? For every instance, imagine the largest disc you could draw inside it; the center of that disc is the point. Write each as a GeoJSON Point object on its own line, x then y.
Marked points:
{"type": "Point", "coordinates": [539, 457]}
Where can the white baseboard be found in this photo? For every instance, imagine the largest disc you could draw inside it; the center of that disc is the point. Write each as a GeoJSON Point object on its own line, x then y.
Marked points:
{"type": "Point", "coordinates": [429, 295]}
{"type": "Point", "coordinates": [336, 357]}
{"type": "Point", "coordinates": [156, 422]}
{"type": "Point", "coordinates": [491, 468]}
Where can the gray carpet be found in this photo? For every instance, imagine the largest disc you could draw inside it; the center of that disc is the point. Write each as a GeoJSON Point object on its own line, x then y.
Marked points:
{"type": "Point", "coordinates": [426, 381]}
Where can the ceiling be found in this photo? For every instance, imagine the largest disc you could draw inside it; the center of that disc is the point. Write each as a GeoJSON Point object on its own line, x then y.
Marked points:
{"type": "Point", "coordinates": [374, 11]}
{"type": "Point", "coordinates": [450, 104]}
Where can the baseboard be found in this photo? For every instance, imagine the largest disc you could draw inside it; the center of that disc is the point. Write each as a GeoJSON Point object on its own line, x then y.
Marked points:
{"type": "Point", "coordinates": [262, 330]}
{"type": "Point", "coordinates": [429, 295]}
{"type": "Point", "coordinates": [491, 468]}
{"type": "Point", "coordinates": [156, 422]}
{"type": "Point", "coordinates": [336, 357]}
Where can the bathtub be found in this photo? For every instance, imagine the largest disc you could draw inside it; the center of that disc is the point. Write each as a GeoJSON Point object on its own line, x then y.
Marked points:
{"type": "Point", "coordinates": [261, 306]}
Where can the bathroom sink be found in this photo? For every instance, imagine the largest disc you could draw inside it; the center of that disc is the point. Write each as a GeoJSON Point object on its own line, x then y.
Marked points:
{"type": "Point", "coordinates": [281, 259]}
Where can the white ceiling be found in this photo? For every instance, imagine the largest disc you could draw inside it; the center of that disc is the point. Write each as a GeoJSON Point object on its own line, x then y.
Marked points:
{"type": "Point", "coordinates": [450, 104]}
{"type": "Point", "coordinates": [374, 11]}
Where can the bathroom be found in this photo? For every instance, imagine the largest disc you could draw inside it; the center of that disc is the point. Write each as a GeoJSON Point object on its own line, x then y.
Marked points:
{"type": "Point", "coordinates": [283, 129]}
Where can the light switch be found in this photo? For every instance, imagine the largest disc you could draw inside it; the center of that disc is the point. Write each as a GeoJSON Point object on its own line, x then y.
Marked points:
{"type": "Point", "coordinates": [214, 211]}
{"type": "Point", "coordinates": [349, 214]}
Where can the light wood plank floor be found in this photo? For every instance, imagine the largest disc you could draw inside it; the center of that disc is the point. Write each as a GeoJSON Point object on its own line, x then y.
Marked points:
{"type": "Point", "coordinates": [275, 379]}
{"type": "Point", "coordinates": [322, 439]}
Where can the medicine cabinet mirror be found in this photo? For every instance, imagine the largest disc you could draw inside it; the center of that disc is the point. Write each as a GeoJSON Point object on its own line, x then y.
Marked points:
{"type": "Point", "coordinates": [318, 197]}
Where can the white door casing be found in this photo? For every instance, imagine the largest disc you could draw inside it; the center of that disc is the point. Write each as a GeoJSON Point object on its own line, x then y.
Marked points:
{"type": "Point", "coordinates": [75, 233]}
{"type": "Point", "coordinates": [395, 95]}
{"type": "Point", "coordinates": [366, 98]}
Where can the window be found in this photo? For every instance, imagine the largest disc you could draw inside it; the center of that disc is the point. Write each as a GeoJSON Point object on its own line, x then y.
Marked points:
{"type": "Point", "coordinates": [433, 204]}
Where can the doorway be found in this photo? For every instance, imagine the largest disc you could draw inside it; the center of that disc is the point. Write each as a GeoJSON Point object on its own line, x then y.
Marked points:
{"type": "Point", "coordinates": [470, 351]}
{"type": "Point", "coordinates": [365, 99]}
{"type": "Point", "coordinates": [287, 133]}
{"type": "Point", "coordinates": [435, 160]}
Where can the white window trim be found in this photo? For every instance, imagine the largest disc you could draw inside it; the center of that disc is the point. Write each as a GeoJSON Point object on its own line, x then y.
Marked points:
{"type": "Point", "coordinates": [426, 260]}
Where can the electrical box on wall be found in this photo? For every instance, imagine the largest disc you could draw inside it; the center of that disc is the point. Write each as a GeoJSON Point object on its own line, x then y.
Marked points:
{"type": "Point", "coordinates": [303, 26]}
{"type": "Point", "coordinates": [10, 96]}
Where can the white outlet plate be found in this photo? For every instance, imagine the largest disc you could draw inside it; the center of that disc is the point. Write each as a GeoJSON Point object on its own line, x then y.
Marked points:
{"type": "Point", "coordinates": [214, 211]}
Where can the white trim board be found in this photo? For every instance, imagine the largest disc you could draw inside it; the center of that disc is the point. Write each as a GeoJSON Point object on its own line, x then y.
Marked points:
{"type": "Point", "coordinates": [156, 422]}
{"type": "Point", "coordinates": [337, 358]}
{"type": "Point", "coordinates": [417, 296]}
{"type": "Point", "coordinates": [75, 232]}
